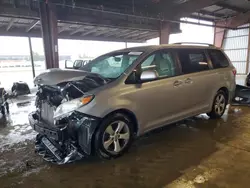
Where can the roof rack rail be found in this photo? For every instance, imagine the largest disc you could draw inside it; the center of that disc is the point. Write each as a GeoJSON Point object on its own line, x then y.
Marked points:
{"type": "Point", "coordinates": [179, 43]}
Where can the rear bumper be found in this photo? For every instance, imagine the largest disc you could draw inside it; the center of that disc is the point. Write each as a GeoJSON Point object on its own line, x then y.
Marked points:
{"type": "Point", "coordinates": [66, 143]}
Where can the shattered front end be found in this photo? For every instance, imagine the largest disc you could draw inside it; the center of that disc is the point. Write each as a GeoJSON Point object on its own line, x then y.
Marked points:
{"type": "Point", "coordinates": [64, 133]}
{"type": "Point", "coordinates": [68, 142]}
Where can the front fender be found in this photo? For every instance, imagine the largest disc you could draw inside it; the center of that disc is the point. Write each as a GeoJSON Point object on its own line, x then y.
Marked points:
{"type": "Point", "coordinates": [102, 107]}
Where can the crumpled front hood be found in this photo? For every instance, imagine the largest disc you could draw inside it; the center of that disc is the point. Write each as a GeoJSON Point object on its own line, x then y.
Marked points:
{"type": "Point", "coordinates": [56, 76]}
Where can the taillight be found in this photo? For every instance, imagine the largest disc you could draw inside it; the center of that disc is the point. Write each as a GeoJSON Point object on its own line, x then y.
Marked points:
{"type": "Point", "coordinates": [234, 72]}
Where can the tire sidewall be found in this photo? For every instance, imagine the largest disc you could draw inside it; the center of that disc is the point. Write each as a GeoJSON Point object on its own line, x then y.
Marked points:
{"type": "Point", "coordinates": [2, 110]}
{"type": "Point", "coordinates": [213, 113]}
{"type": "Point", "coordinates": [99, 148]}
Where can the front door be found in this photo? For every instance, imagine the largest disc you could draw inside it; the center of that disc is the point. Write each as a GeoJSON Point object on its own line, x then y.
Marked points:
{"type": "Point", "coordinates": [159, 101]}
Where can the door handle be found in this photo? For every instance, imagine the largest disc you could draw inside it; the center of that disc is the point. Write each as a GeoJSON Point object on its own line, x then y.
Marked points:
{"type": "Point", "coordinates": [188, 81]}
{"type": "Point", "coordinates": [177, 83]}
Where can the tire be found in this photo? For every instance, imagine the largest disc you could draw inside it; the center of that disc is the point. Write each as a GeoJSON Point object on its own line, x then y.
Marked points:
{"type": "Point", "coordinates": [3, 110]}
{"type": "Point", "coordinates": [219, 105]}
{"type": "Point", "coordinates": [109, 133]}
{"type": "Point", "coordinates": [7, 107]}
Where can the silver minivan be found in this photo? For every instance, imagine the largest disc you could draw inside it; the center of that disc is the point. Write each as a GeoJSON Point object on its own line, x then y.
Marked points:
{"type": "Point", "coordinates": [124, 94]}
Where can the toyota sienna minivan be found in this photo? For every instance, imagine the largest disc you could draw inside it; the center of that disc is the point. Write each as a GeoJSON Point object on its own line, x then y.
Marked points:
{"type": "Point", "coordinates": [124, 94]}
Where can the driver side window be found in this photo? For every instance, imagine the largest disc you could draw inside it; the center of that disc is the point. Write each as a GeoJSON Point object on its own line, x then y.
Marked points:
{"type": "Point", "coordinates": [162, 62]}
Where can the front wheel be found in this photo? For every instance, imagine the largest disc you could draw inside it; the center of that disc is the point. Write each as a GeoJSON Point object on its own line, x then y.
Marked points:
{"type": "Point", "coordinates": [114, 136]}
{"type": "Point", "coordinates": [219, 105]}
{"type": "Point", "coordinates": [3, 110]}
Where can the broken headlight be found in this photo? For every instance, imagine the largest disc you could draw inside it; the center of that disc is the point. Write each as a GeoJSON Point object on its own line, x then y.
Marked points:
{"type": "Point", "coordinates": [66, 108]}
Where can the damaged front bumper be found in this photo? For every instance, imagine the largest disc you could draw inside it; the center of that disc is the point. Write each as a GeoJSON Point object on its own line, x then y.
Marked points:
{"type": "Point", "coordinates": [67, 142]}
{"type": "Point", "coordinates": [242, 96]}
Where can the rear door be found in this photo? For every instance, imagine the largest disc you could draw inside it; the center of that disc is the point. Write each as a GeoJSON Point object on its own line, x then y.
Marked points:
{"type": "Point", "coordinates": [224, 72]}
{"type": "Point", "coordinates": [197, 78]}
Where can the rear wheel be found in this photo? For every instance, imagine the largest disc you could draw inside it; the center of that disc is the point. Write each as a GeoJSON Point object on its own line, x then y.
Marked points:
{"type": "Point", "coordinates": [219, 105]}
{"type": "Point", "coordinates": [114, 136]}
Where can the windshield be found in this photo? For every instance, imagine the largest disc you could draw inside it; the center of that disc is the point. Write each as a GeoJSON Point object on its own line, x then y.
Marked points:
{"type": "Point", "coordinates": [112, 65]}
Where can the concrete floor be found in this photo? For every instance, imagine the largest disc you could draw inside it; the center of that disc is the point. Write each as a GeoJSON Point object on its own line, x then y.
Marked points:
{"type": "Point", "coordinates": [196, 152]}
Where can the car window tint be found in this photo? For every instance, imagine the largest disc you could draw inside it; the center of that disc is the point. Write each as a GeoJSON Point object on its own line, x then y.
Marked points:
{"type": "Point", "coordinates": [148, 61]}
{"type": "Point", "coordinates": [218, 59]}
{"type": "Point", "coordinates": [132, 59]}
{"type": "Point", "coordinates": [193, 61]}
{"type": "Point", "coordinates": [162, 62]}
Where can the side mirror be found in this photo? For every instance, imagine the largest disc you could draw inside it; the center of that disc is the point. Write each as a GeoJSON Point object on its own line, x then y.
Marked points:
{"type": "Point", "coordinates": [148, 75]}
{"type": "Point", "coordinates": [78, 64]}
{"type": "Point", "coordinates": [68, 64]}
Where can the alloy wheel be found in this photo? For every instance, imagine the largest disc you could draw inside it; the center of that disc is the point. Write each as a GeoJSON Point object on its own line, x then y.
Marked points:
{"type": "Point", "coordinates": [220, 104]}
{"type": "Point", "coordinates": [116, 137]}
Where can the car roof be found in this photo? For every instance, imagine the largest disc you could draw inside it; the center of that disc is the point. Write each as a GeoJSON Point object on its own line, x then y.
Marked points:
{"type": "Point", "coordinates": [166, 46]}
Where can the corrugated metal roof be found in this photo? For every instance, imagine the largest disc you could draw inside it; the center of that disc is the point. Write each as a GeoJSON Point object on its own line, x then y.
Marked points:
{"type": "Point", "coordinates": [79, 31]}
{"type": "Point", "coordinates": [23, 21]}
{"type": "Point", "coordinates": [4, 19]}
{"type": "Point", "coordinates": [244, 4]}
{"type": "Point", "coordinates": [212, 8]}
{"type": "Point", "coordinates": [227, 12]}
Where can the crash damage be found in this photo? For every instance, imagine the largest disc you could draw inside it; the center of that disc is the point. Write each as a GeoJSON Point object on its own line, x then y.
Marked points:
{"type": "Point", "coordinates": [64, 134]}
{"type": "Point", "coordinates": [242, 96]}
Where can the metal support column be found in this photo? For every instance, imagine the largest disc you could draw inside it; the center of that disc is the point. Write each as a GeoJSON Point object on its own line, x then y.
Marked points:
{"type": "Point", "coordinates": [248, 54]}
{"type": "Point", "coordinates": [49, 33]}
{"type": "Point", "coordinates": [165, 31]}
{"type": "Point", "coordinates": [219, 34]}
{"type": "Point", "coordinates": [31, 58]}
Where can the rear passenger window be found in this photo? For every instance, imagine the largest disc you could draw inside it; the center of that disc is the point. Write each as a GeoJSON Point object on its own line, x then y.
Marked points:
{"type": "Point", "coordinates": [193, 61]}
{"type": "Point", "coordinates": [218, 59]}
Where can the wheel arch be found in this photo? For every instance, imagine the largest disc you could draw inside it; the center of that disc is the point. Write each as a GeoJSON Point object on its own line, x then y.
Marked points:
{"type": "Point", "coordinates": [226, 91]}
{"type": "Point", "coordinates": [124, 111]}
{"type": "Point", "coordinates": [128, 113]}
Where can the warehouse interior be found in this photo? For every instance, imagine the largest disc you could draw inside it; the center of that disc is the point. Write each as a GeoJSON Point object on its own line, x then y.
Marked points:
{"type": "Point", "coordinates": [196, 152]}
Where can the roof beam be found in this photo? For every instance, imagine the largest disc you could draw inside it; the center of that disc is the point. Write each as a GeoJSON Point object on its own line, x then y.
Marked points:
{"type": "Point", "coordinates": [111, 33]}
{"type": "Point", "coordinates": [12, 21]}
{"type": "Point", "coordinates": [204, 12]}
{"type": "Point", "coordinates": [80, 29]}
{"type": "Point", "coordinates": [148, 36]}
{"type": "Point", "coordinates": [202, 18]}
{"type": "Point", "coordinates": [238, 20]}
{"type": "Point", "coordinates": [127, 34]}
{"type": "Point", "coordinates": [32, 25]}
{"type": "Point", "coordinates": [61, 29]}
{"type": "Point", "coordinates": [121, 32]}
{"type": "Point", "coordinates": [112, 20]}
{"type": "Point", "coordinates": [89, 31]}
{"type": "Point", "coordinates": [36, 33]}
{"type": "Point", "coordinates": [104, 31]}
{"type": "Point", "coordinates": [138, 34]}
{"type": "Point", "coordinates": [224, 5]}
{"type": "Point", "coordinates": [187, 8]}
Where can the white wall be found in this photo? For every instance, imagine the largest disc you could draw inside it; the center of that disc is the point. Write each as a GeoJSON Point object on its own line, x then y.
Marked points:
{"type": "Point", "coordinates": [235, 45]}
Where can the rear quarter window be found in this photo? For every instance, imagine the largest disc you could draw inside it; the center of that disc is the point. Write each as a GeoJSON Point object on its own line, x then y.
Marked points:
{"type": "Point", "coordinates": [218, 59]}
